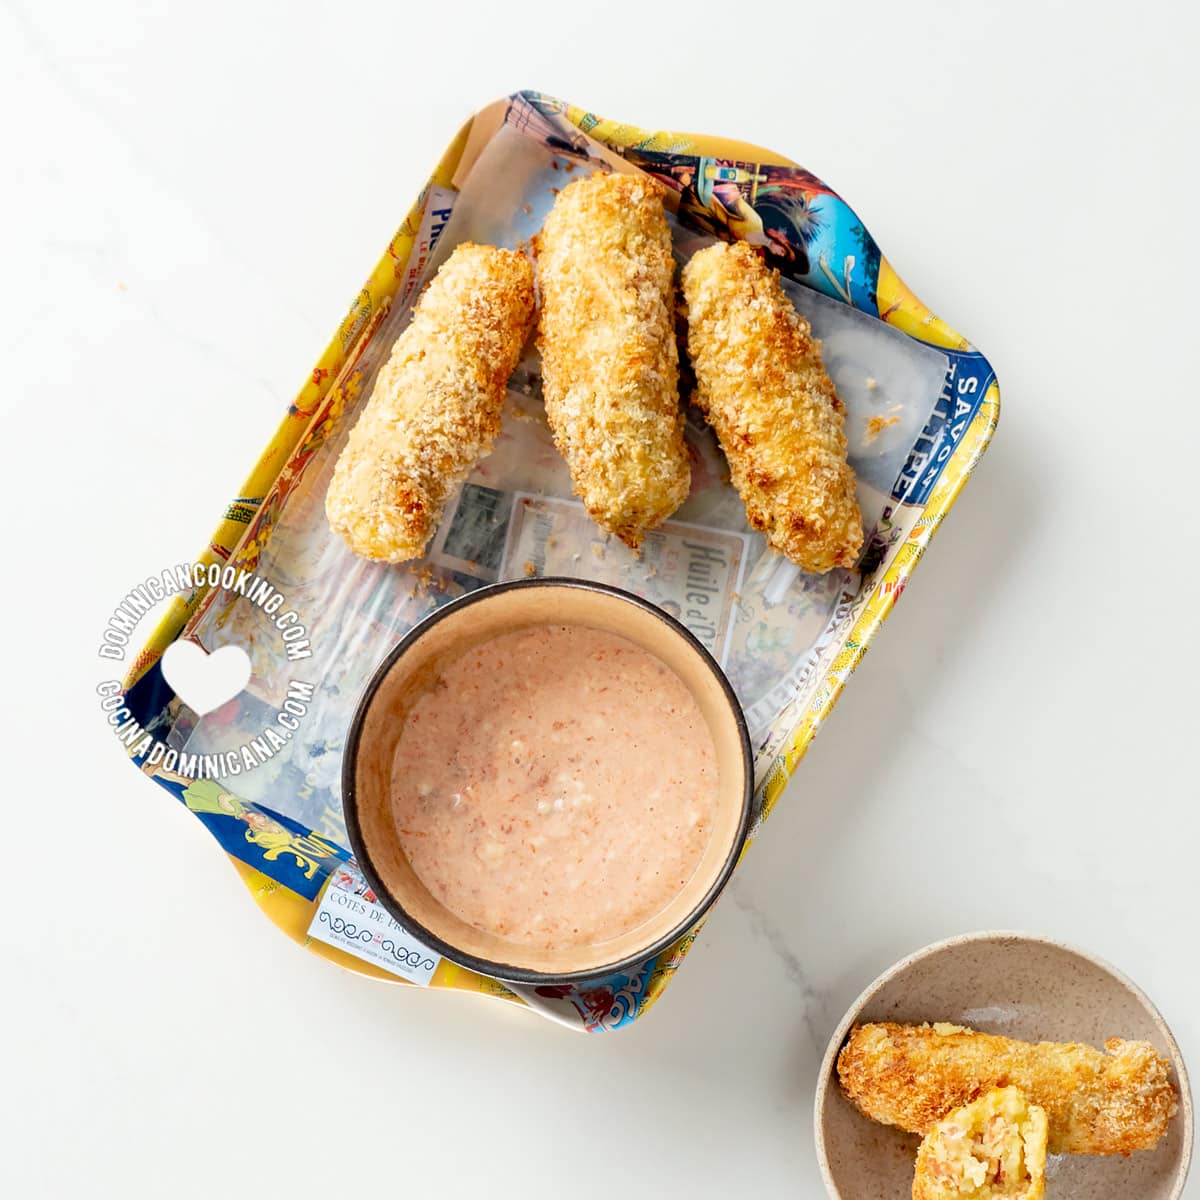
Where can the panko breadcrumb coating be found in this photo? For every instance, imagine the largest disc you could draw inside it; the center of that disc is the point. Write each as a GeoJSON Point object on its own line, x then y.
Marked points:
{"type": "Point", "coordinates": [762, 386]}
{"type": "Point", "coordinates": [610, 366]}
{"type": "Point", "coordinates": [435, 409]}
{"type": "Point", "coordinates": [991, 1148]}
{"type": "Point", "coordinates": [912, 1076]}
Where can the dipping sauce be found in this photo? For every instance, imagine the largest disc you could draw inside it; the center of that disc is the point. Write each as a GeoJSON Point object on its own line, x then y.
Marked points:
{"type": "Point", "coordinates": [557, 786]}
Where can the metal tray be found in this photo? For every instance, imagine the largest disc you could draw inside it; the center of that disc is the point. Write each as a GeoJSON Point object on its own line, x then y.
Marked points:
{"type": "Point", "coordinates": [299, 871]}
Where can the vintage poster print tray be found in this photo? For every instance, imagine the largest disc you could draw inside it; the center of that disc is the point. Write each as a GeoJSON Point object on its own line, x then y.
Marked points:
{"type": "Point", "coordinates": [921, 405]}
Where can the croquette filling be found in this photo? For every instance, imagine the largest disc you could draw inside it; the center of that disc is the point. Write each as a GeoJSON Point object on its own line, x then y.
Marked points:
{"type": "Point", "coordinates": [985, 1155]}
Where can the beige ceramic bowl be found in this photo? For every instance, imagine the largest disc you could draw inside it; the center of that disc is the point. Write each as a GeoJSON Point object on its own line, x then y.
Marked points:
{"type": "Point", "coordinates": [1023, 987]}
{"type": "Point", "coordinates": [409, 669]}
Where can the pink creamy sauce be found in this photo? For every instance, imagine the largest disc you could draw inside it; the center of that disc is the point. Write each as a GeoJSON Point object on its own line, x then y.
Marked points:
{"type": "Point", "coordinates": [556, 786]}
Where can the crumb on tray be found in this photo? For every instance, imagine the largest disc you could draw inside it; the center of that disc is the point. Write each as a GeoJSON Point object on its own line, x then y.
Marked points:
{"type": "Point", "coordinates": [876, 425]}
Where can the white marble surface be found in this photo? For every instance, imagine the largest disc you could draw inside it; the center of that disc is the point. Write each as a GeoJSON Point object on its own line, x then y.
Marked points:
{"type": "Point", "coordinates": [191, 195]}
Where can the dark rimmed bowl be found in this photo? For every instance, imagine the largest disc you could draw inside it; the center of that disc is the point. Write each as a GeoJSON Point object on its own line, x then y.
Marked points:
{"type": "Point", "coordinates": [410, 668]}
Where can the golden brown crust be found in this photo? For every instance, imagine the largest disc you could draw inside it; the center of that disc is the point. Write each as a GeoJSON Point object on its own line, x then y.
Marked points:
{"type": "Point", "coordinates": [911, 1076]}
{"type": "Point", "coordinates": [610, 370]}
{"type": "Point", "coordinates": [762, 386]}
{"type": "Point", "coordinates": [435, 407]}
{"type": "Point", "coordinates": [992, 1148]}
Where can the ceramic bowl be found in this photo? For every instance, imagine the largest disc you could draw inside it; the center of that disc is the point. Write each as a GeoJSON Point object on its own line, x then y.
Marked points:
{"type": "Point", "coordinates": [409, 669]}
{"type": "Point", "coordinates": [1023, 987]}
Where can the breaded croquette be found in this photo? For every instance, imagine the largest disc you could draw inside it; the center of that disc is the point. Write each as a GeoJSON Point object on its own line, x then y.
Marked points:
{"type": "Point", "coordinates": [911, 1076]}
{"type": "Point", "coordinates": [610, 366]}
{"type": "Point", "coordinates": [993, 1147]}
{"type": "Point", "coordinates": [435, 408]}
{"type": "Point", "coordinates": [761, 384]}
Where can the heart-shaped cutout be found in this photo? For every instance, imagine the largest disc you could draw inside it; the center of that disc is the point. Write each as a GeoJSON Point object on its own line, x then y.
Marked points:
{"type": "Point", "coordinates": [205, 681]}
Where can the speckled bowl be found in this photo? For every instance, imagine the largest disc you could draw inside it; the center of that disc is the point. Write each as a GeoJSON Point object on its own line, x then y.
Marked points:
{"type": "Point", "coordinates": [1024, 987]}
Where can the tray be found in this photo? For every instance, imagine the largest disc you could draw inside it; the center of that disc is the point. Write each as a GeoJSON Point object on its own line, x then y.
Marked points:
{"type": "Point", "coordinates": [299, 870]}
